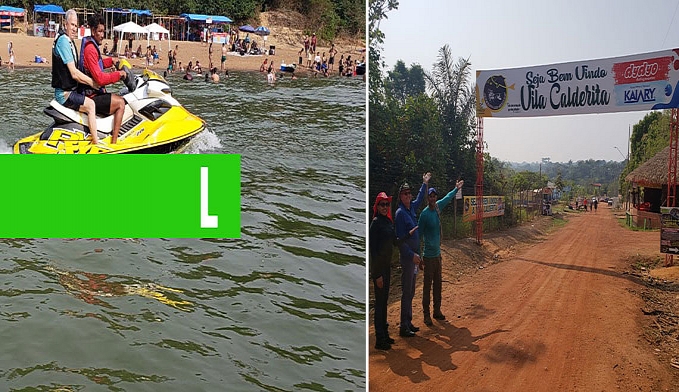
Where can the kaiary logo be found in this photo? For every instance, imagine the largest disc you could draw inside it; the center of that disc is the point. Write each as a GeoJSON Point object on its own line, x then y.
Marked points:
{"type": "Point", "coordinates": [640, 94]}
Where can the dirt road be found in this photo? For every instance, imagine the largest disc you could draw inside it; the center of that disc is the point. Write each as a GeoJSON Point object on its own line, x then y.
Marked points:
{"type": "Point", "coordinates": [557, 316]}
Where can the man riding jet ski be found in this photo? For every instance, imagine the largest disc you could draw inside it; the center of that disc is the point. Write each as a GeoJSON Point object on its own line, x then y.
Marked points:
{"type": "Point", "coordinates": [152, 121]}
{"type": "Point", "coordinates": [92, 64]}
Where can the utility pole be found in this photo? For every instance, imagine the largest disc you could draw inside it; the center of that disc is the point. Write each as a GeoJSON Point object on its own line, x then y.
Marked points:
{"type": "Point", "coordinates": [629, 137]}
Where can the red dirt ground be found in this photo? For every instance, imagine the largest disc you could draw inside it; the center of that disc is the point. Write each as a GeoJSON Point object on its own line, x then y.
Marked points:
{"type": "Point", "coordinates": [563, 314]}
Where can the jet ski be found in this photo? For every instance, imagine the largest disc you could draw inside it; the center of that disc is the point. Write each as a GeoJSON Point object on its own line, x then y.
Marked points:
{"type": "Point", "coordinates": [288, 68]}
{"type": "Point", "coordinates": [360, 69]}
{"type": "Point", "coordinates": [153, 122]}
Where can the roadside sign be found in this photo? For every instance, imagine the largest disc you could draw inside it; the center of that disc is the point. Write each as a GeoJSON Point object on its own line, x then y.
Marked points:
{"type": "Point", "coordinates": [669, 230]}
{"type": "Point", "coordinates": [492, 206]}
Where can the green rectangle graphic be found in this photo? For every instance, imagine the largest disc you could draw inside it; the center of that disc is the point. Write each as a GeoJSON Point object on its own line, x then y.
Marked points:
{"type": "Point", "coordinates": [120, 196]}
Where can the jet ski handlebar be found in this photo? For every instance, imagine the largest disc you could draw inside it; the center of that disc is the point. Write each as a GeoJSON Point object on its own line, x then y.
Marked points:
{"type": "Point", "coordinates": [130, 79]}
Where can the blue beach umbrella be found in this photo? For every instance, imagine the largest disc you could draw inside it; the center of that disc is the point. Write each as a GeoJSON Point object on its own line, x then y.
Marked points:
{"type": "Point", "coordinates": [247, 29]}
{"type": "Point", "coordinates": [261, 30]}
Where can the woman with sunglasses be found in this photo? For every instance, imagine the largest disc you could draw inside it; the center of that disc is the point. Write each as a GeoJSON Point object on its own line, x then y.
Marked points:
{"type": "Point", "coordinates": [382, 242]}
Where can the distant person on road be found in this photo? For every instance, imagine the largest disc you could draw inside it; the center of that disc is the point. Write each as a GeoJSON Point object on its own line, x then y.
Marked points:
{"type": "Point", "coordinates": [584, 203]}
{"type": "Point", "coordinates": [406, 221]}
{"type": "Point", "coordinates": [430, 234]}
{"type": "Point", "coordinates": [596, 204]}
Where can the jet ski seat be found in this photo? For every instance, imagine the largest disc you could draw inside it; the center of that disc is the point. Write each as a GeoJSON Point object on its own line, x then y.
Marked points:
{"type": "Point", "coordinates": [104, 124]}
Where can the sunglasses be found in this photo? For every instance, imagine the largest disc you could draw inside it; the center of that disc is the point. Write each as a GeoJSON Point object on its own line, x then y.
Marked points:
{"type": "Point", "coordinates": [384, 204]}
{"type": "Point", "coordinates": [407, 193]}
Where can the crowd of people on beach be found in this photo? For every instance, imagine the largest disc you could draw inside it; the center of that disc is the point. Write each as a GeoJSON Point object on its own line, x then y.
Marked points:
{"type": "Point", "coordinates": [233, 42]}
{"type": "Point", "coordinates": [318, 62]}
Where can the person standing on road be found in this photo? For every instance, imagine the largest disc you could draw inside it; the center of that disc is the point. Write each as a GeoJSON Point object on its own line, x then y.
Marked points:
{"type": "Point", "coordinates": [382, 241]}
{"type": "Point", "coordinates": [596, 204]}
{"type": "Point", "coordinates": [406, 221]}
{"type": "Point", "coordinates": [430, 233]}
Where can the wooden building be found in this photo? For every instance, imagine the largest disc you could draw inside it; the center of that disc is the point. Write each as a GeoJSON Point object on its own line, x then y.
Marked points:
{"type": "Point", "coordinates": [649, 190]}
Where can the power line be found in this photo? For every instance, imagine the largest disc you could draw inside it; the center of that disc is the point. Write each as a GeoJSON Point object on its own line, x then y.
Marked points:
{"type": "Point", "coordinates": [670, 26]}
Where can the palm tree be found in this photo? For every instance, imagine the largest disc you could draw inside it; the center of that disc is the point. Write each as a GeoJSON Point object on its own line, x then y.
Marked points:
{"type": "Point", "coordinates": [450, 85]}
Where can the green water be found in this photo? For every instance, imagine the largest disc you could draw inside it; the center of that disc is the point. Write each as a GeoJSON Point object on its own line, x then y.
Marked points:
{"type": "Point", "coordinates": [282, 308]}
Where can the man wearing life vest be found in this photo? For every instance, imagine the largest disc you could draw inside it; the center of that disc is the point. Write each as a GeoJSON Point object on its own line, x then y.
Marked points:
{"type": "Point", "coordinates": [92, 64]}
{"type": "Point", "coordinates": [66, 76]}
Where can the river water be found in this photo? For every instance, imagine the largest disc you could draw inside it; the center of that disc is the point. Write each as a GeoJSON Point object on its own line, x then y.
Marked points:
{"type": "Point", "coordinates": [281, 309]}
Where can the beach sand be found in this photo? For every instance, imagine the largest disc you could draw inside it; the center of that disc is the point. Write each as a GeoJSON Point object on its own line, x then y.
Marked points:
{"type": "Point", "coordinates": [288, 42]}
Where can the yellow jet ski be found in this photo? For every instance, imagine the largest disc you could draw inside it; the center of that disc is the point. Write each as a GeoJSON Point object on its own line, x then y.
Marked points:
{"type": "Point", "coordinates": [154, 122]}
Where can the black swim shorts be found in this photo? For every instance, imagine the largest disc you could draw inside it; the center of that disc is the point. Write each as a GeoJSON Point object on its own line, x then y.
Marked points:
{"type": "Point", "coordinates": [75, 100]}
{"type": "Point", "coordinates": [102, 103]}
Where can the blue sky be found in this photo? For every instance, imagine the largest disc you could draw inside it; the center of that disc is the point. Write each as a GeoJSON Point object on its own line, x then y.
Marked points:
{"type": "Point", "coordinates": [497, 34]}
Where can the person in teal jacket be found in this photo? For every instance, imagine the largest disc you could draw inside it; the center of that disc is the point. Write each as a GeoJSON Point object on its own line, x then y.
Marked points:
{"type": "Point", "coordinates": [429, 226]}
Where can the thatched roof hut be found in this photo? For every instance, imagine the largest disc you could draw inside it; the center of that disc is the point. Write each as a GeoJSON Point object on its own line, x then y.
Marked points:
{"type": "Point", "coordinates": [653, 172]}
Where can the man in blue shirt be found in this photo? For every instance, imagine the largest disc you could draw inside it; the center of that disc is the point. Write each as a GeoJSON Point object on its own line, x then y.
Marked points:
{"type": "Point", "coordinates": [405, 223]}
{"type": "Point", "coordinates": [430, 231]}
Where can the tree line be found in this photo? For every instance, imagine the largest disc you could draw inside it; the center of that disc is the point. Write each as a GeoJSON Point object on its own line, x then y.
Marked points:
{"type": "Point", "coordinates": [649, 136]}
{"type": "Point", "coordinates": [328, 18]}
{"type": "Point", "coordinates": [419, 121]}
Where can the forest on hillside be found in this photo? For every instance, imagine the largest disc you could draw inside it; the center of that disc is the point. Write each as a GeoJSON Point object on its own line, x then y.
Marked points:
{"type": "Point", "coordinates": [580, 174]}
{"type": "Point", "coordinates": [328, 18]}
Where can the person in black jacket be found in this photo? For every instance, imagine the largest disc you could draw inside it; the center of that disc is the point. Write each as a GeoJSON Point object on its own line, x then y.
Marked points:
{"type": "Point", "coordinates": [382, 242]}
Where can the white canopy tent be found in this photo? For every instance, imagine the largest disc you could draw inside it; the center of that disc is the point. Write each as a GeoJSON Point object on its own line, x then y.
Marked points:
{"type": "Point", "coordinates": [129, 27]}
{"type": "Point", "coordinates": [156, 28]}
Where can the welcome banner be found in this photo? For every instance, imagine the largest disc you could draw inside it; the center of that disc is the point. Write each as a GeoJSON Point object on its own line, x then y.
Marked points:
{"type": "Point", "coordinates": [640, 82]}
{"type": "Point", "coordinates": [492, 206]}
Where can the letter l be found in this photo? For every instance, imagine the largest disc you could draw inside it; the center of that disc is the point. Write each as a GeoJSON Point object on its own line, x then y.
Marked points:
{"type": "Point", "coordinates": [206, 221]}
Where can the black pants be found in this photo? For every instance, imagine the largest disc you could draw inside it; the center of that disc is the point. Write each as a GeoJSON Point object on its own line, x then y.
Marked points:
{"type": "Point", "coordinates": [381, 297]}
{"type": "Point", "coordinates": [432, 273]}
